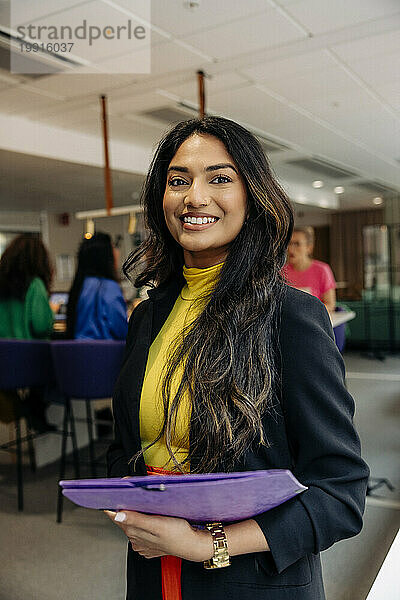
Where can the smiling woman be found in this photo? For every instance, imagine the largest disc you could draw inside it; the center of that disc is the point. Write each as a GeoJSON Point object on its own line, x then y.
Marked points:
{"type": "Point", "coordinates": [229, 369]}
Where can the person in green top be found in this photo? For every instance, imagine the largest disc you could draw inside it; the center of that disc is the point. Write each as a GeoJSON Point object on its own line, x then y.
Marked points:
{"type": "Point", "coordinates": [25, 312]}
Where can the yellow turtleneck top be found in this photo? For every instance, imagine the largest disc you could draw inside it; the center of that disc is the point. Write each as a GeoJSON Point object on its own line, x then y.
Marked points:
{"type": "Point", "coordinates": [184, 312]}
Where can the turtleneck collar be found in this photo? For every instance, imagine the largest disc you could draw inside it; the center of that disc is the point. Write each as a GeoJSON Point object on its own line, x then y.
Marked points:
{"type": "Point", "coordinates": [199, 281]}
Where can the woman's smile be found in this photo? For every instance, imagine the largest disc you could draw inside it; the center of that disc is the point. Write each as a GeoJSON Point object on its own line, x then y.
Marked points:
{"type": "Point", "coordinates": [197, 221]}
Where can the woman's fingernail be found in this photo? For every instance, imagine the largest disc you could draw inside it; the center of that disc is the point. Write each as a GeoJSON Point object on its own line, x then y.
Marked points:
{"type": "Point", "coordinates": [120, 517]}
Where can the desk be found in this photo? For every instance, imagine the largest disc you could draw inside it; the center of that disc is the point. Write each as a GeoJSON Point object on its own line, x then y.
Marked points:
{"type": "Point", "coordinates": [338, 318]}
{"type": "Point", "coordinates": [387, 584]}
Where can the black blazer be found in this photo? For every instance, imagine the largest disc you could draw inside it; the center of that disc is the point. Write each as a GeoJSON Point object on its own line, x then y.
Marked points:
{"type": "Point", "coordinates": [311, 433]}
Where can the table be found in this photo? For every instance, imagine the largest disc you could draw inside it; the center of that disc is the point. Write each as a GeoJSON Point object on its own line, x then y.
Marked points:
{"type": "Point", "coordinates": [338, 318]}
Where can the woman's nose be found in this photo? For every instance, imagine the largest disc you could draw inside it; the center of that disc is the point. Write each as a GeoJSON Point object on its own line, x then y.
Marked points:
{"type": "Point", "coordinates": [197, 195]}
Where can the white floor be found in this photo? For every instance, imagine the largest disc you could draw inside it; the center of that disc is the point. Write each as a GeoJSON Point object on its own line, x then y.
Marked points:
{"type": "Point", "coordinates": [83, 558]}
{"type": "Point", "coordinates": [350, 566]}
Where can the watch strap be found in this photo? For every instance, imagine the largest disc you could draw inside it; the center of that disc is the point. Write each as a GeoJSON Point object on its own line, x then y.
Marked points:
{"type": "Point", "coordinates": [221, 555]}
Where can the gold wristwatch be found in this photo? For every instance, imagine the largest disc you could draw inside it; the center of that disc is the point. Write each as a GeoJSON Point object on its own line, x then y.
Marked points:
{"type": "Point", "coordinates": [221, 554]}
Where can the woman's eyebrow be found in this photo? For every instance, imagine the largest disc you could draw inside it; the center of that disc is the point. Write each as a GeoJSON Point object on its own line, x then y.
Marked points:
{"type": "Point", "coordinates": [220, 166]}
{"type": "Point", "coordinates": [209, 168]}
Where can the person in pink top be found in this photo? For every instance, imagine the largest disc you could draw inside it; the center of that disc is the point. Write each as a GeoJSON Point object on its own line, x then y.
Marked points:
{"type": "Point", "coordinates": [305, 273]}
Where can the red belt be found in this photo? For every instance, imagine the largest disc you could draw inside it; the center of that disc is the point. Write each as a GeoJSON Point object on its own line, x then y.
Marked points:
{"type": "Point", "coordinates": [171, 566]}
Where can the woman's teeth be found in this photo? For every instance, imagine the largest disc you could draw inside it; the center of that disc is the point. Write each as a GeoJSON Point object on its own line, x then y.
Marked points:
{"type": "Point", "coordinates": [199, 220]}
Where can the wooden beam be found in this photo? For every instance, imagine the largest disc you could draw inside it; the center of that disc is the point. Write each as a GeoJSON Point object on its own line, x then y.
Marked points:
{"type": "Point", "coordinates": [202, 102]}
{"type": "Point", "coordinates": [107, 172]}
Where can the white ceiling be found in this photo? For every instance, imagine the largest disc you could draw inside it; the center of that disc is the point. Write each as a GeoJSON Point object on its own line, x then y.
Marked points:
{"type": "Point", "coordinates": [38, 183]}
{"type": "Point", "coordinates": [319, 76]}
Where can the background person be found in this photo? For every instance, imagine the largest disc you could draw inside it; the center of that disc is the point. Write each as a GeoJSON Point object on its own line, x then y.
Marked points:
{"type": "Point", "coordinates": [227, 368]}
{"type": "Point", "coordinates": [96, 307]}
{"type": "Point", "coordinates": [307, 274]}
{"type": "Point", "coordinates": [25, 312]}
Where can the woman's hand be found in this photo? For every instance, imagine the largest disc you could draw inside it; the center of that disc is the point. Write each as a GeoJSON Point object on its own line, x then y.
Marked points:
{"type": "Point", "coordinates": [152, 536]}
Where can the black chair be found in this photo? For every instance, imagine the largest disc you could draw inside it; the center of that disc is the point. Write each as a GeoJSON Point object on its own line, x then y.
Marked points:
{"type": "Point", "coordinates": [85, 370]}
{"type": "Point", "coordinates": [23, 364]}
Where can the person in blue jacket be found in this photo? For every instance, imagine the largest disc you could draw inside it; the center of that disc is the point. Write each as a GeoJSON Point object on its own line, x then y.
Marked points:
{"type": "Point", "coordinates": [96, 307]}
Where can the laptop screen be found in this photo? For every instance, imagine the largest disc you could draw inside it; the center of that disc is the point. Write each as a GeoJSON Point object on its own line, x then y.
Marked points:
{"type": "Point", "coordinates": [59, 299]}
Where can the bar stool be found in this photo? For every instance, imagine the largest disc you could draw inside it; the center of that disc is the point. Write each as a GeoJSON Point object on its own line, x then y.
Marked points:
{"type": "Point", "coordinates": [85, 370]}
{"type": "Point", "coordinates": [23, 364]}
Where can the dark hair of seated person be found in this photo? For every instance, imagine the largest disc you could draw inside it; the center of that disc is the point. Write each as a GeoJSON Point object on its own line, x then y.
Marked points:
{"type": "Point", "coordinates": [95, 259]}
{"type": "Point", "coordinates": [24, 259]}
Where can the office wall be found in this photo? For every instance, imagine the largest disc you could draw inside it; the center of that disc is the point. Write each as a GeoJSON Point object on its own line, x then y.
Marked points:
{"type": "Point", "coordinates": [64, 240]}
{"type": "Point", "coordinates": [346, 248]}
{"type": "Point", "coordinates": [313, 218]}
{"type": "Point", "coordinates": [392, 210]}
{"type": "Point", "coordinates": [20, 221]}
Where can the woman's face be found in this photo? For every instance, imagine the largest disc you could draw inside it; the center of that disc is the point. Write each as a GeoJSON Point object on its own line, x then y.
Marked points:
{"type": "Point", "coordinates": [205, 200]}
{"type": "Point", "coordinates": [299, 250]}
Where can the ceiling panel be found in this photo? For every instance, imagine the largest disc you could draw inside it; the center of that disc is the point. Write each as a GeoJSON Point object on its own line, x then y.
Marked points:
{"type": "Point", "coordinates": [96, 14]}
{"type": "Point", "coordinates": [136, 63]}
{"type": "Point", "coordinates": [248, 105]}
{"type": "Point", "coordinates": [213, 84]}
{"type": "Point", "coordinates": [312, 62]}
{"type": "Point", "coordinates": [133, 8]}
{"type": "Point", "coordinates": [11, 78]}
{"type": "Point", "coordinates": [370, 46]}
{"type": "Point", "coordinates": [26, 11]}
{"type": "Point", "coordinates": [311, 168]}
{"type": "Point", "coordinates": [289, 2]}
{"type": "Point", "coordinates": [87, 120]}
{"type": "Point", "coordinates": [322, 16]}
{"type": "Point", "coordinates": [309, 90]}
{"type": "Point", "coordinates": [4, 84]}
{"type": "Point", "coordinates": [130, 104]}
{"type": "Point", "coordinates": [72, 85]}
{"type": "Point", "coordinates": [175, 18]}
{"type": "Point", "coordinates": [74, 117]}
{"type": "Point", "coordinates": [379, 70]}
{"type": "Point", "coordinates": [134, 130]}
{"type": "Point", "coordinates": [16, 100]}
{"type": "Point", "coordinates": [5, 13]}
{"type": "Point", "coordinates": [263, 31]}
{"type": "Point", "coordinates": [165, 57]}
{"type": "Point", "coordinates": [378, 131]}
{"type": "Point", "coordinates": [391, 93]}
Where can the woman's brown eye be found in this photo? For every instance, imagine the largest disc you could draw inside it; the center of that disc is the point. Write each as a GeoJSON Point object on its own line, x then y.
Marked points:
{"type": "Point", "coordinates": [221, 179]}
{"type": "Point", "coordinates": [176, 182]}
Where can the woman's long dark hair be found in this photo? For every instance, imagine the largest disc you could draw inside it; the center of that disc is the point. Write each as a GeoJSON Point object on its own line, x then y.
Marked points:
{"type": "Point", "coordinates": [228, 355]}
{"type": "Point", "coordinates": [24, 259]}
{"type": "Point", "coordinates": [95, 259]}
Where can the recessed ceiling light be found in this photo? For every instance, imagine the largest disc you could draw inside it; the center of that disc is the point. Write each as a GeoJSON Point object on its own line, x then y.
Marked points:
{"type": "Point", "coordinates": [338, 189]}
{"type": "Point", "coordinates": [324, 203]}
{"type": "Point", "coordinates": [301, 199]}
{"type": "Point", "coordinates": [317, 184]}
{"type": "Point", "coordinates": [378, 200]}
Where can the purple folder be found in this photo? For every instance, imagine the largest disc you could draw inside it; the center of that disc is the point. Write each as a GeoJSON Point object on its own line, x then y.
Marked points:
{"type": "Point", "coordinates": [197, 498]}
